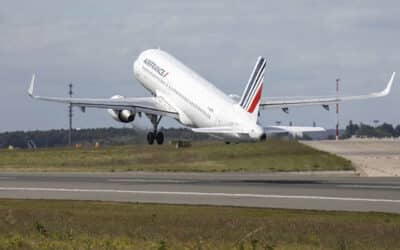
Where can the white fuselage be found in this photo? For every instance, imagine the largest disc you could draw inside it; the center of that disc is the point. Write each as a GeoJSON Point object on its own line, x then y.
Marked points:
{"type": "Point", "coordinates": [198, 102]}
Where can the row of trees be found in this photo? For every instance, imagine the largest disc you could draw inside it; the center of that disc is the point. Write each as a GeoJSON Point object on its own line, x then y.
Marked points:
{"type": "Point", "coordinates": [364, 130]}
{"type": "Point", "coordinates": [104, 136]}
{"type": "Point", "coordinates": [124, 136]}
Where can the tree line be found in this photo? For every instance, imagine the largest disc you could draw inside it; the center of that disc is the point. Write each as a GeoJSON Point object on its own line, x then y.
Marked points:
{"type": "Point", "coordinates": [103, 136]}
{"type": "Point", "coordinates": [365, 130]}
{"type": "Point", "coordinates": [125, 136]}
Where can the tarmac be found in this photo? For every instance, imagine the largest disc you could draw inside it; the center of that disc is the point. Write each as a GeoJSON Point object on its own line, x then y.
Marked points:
{"type": "Point", "coordinates": [342, 191]}
{"type": "Point", "coordinates": [371, 157]}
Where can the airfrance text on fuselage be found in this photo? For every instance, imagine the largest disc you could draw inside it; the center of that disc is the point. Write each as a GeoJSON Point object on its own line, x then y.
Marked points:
{"type": "Point", "coordinates": [162, 72]}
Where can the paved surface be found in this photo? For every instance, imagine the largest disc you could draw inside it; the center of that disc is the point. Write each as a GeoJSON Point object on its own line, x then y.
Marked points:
{"type": "Point", "coordinates": [371, 157]}
{"type": "Point", "coordinates": [340, 192]}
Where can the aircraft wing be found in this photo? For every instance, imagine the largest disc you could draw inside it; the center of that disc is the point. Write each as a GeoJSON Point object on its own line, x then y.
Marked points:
{"type": "Point", "coordinates": [148, 105]}
{"type": "Point", "coordinates": [324, 101]}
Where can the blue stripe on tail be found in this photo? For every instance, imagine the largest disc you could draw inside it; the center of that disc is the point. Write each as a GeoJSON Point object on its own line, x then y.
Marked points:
{"type": "Point", "coordinates": [255, 80]}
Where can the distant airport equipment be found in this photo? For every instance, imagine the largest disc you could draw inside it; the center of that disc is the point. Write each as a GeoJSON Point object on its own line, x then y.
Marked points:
{"type": "Point", "coordinates": [31, 144]}
{"type": "Point", "coordinates": [182, 143]}
{"type": "Point", "coordinates": [180, 93]}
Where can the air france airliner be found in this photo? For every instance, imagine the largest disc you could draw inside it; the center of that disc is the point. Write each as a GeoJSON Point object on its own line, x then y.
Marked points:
{"type": "Point", "coordinates": [180, 93]}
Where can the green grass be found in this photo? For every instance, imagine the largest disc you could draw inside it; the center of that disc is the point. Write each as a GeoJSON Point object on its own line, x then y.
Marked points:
{"type": "Point", "coordinates": [270, 156]}
{"type": "Point", "coordinates": [40, 224]}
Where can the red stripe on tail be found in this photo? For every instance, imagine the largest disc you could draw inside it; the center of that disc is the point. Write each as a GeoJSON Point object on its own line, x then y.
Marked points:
{"type": "Point", "coordinates": [256, 100]}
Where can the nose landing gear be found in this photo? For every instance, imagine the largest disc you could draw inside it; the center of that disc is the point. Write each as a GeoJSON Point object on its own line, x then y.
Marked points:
{"type": "Point", "coordinates": [155, 135]}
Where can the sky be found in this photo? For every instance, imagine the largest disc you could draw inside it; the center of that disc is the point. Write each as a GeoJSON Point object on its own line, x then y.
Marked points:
{"type": "Point", "coordinates": [308, 44]}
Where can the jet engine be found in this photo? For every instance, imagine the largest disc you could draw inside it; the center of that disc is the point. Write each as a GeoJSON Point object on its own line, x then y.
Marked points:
{"type": "Point", "coordinates": [124, 115]}
{"type": "Point", "coordinates": [257, 133]}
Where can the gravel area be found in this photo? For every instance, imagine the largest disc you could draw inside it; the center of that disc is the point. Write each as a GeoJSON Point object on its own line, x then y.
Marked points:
{"type": "Point", "coordinates": [371, 157]}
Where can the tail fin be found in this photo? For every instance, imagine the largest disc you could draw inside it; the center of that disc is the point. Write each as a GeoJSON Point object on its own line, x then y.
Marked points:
{"type": "Point", "coordinates": [252, 93]}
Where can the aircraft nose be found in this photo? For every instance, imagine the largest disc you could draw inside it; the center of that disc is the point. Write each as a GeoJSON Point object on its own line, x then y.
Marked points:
{"type": "Point", "coordinates": [136, 63]}
{"type": "Point", "coordinates": [136, 67]}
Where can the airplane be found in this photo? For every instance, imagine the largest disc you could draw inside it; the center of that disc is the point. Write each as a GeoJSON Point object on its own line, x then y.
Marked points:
{"type": "Point", "coordinates": [180, 93]}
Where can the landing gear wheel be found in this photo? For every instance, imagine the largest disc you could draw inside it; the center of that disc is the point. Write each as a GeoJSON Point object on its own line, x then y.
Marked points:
{"type": "Point", "coordinates": [160, 138]}
{"type": "Point", "coordinates": [150, 138]}
{"type": "Point", "coordinates": [155, 136]}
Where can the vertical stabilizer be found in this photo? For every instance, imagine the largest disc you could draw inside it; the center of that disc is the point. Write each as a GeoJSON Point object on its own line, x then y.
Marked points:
{"type": "Point", "coordinates": [251, 96]}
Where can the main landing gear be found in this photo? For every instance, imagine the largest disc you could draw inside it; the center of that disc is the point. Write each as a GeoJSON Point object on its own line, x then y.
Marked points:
{"type": "Point", "coordinates": [155, 136]}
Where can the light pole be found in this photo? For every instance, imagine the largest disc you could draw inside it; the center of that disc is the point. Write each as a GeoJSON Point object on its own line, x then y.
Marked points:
{"type": "Point", "coordinates": [337, 109]}
{"type": "Point", "coordinates": [70, 116]}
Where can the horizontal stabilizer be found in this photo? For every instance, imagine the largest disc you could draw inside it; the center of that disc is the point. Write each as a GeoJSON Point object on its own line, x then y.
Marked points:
{"type": "Point", "coordinates": [218, 130]}
{"type": "Point", "coordinates": [292, 129]}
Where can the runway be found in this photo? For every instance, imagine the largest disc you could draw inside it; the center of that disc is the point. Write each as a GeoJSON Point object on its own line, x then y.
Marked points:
{"type": "Point", "coordinates": [318, 192]}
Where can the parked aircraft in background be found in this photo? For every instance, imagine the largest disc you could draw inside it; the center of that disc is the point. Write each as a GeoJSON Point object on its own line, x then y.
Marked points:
{"type": "Point", "coordinates": [180, 93]}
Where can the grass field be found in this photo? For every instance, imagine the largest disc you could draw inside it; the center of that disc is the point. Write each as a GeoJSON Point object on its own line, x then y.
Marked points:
{"type": "Point", "coordinates": [269, 156]}
{"type": "Point", "coordinates": [33, 224]}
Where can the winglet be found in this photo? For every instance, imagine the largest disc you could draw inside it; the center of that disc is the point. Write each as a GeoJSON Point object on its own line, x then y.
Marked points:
{"type": "Point", "coordinates": [386, 91]}
{"type": "Point", "coordinates": [30, 90]}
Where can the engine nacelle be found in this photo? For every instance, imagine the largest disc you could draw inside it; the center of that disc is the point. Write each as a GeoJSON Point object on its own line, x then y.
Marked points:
{"type": "Point", "coordinates": [124, 115]}
{"type": "Point", "coordinates": [257, 133]}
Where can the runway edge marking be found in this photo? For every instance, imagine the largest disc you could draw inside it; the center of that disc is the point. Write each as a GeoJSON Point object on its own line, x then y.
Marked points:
{"type": "Point", "coordinates": [233, 195]}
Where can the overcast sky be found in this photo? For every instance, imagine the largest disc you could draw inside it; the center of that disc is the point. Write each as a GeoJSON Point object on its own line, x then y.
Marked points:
{"type": "Point", "coordinates": [308, 44]}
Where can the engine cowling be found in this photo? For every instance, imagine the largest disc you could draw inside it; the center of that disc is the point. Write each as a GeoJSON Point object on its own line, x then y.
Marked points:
{"type": "Point", "coordinates": [257, 133]}
{"type": "Point", "coordinates": [124, 115]}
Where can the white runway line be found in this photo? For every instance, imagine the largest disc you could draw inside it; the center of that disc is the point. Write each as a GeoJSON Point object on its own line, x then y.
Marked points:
{"type": "Point", "coordinates": [146, 180]}
{"type": "Point", "coordinates": [7, 178]}
{"type": "Point", "coordinates": [369, 186]}
{"type": "Point", "coordinates": [231, 195]}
